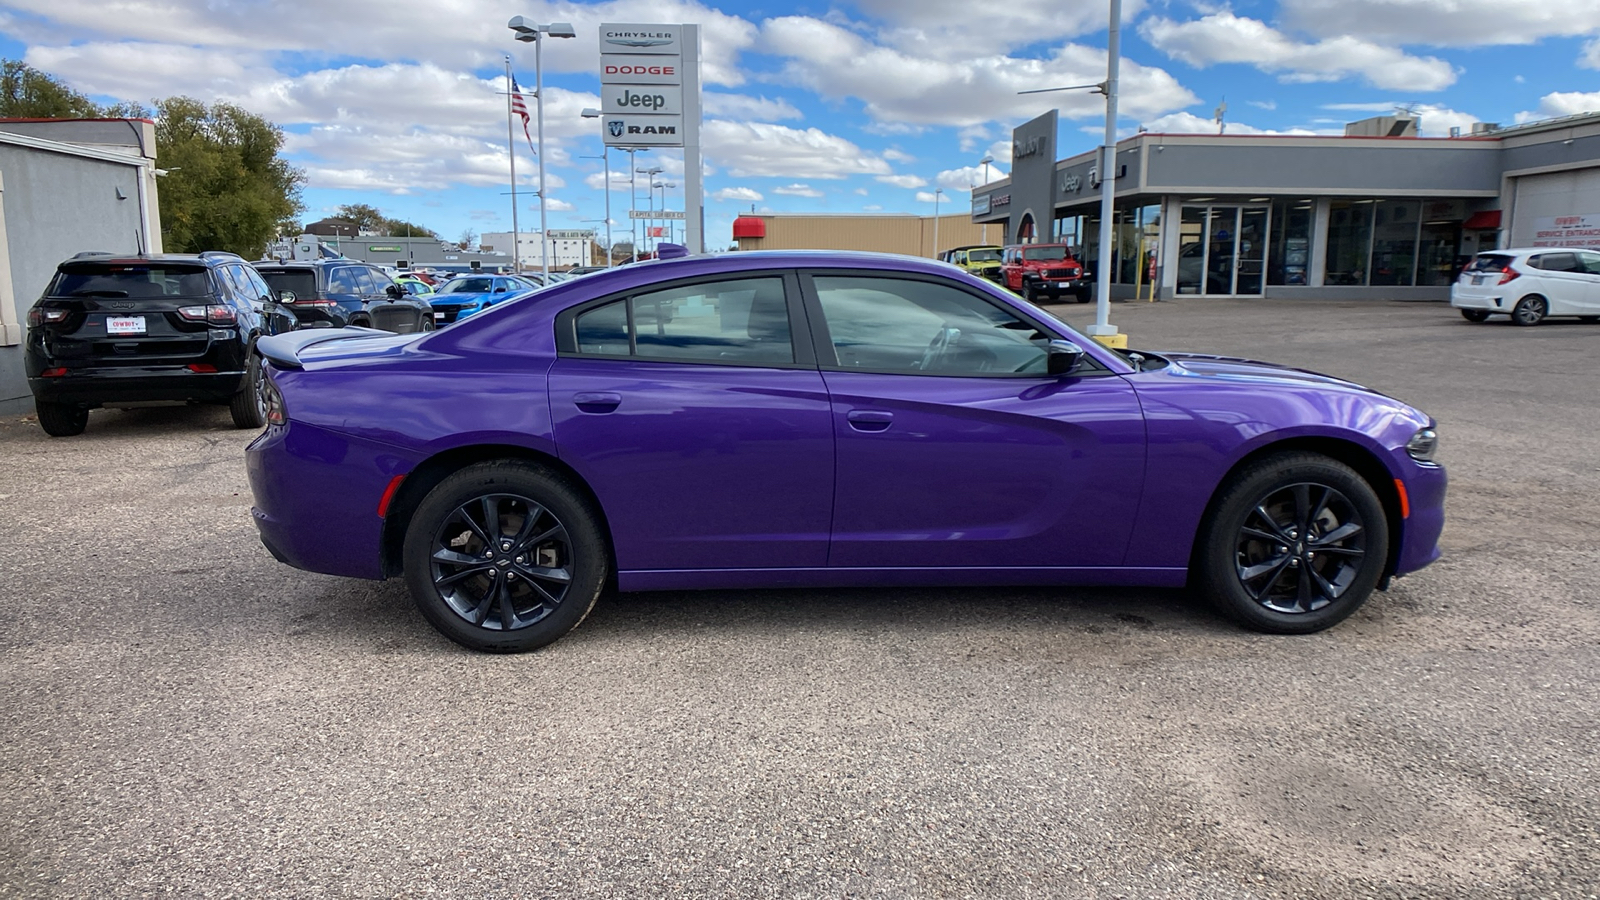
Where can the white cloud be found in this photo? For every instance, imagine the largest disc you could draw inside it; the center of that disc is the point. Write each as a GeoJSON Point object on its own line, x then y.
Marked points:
{"type": "Point", "coordinates": [964, 178]}
{"type": "Point", "coordinates": [957, 29]}
{"type": "Point", "coordinates": [555, 204]}
{"type": "Point", "coordinates": [798, 190]}
{"type": "Point", "coordinates": [747, 195]}
{"type": "Point", "coordinates": [863, 192]}
{"type": "Point", "coordinates": [760, 149]}
{"type": "Point", "coordinates": [619, 178]}
{"type": "Point", "coordinates": [909, 90]}
{"type": "Point", "coordinates": [929, 197]}
{"type": "Point", "coordinates": [1590, 58]}
{"type": "Point", "coordinates": [973, 135]}
{"type": "Point", "coordinates": [903, 181]}
{"type": "Point", "coordinates": [1189, 123]}
{"type": "Point", "coordinates": [871, 207]}
{"type": "Point", "coordinates": [1460, 23]}
{"type": "Point", "coordinates": [740, 106]}
{"type": "Point", "coordinates": [1562, 103]}
{"type": "Point", "coordinates": [1263, 104]}
{"type": "Point", "coordinates": [134, 70]}
{"type": "Point", "coordinates": [1223, 37]}
{"type": "Point", "coordinates": [898, 156]}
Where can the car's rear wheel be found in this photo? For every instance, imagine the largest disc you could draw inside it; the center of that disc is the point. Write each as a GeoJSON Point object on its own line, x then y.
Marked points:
{"type": "Point", "coordinates": [1530, 310]}
{"type": "Point", "coordinates": [61, 419]}
{"type": "Point", "coordinates": [505, 557]}
{"type": "Point", "coordinates": [1295, 544]}
{"type": "Point", "coordinates": [249, 406]}
{"type": "Point", "coordinates": [1475, 315]}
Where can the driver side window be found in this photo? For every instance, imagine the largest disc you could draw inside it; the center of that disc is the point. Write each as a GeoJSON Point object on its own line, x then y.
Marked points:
{"type": "Point", "coordinates": [913, 327]}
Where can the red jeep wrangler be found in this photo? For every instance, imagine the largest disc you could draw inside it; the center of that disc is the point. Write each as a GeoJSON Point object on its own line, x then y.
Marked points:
{"type": "Point", "coordinates": [1043, 270]}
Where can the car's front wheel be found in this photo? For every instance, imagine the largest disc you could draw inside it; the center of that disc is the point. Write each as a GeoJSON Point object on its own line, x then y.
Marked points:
{"type": "Point", "coordinates": [249, 406]}
{"type": "Point", "coordinates": [1475, 315]}
{"type": "Point", "coordinates": [61, 419]}
{"type": "Point", "coordinates": [1531, 310]}
{"type": "Point", "coordinates": [505, 557]}
{"type": "Point", "coordinates": [1295, 543]}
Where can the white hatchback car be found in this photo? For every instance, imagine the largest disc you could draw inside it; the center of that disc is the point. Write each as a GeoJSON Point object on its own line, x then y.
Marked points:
{"type": "Point", "coordinates": [1529, 285]}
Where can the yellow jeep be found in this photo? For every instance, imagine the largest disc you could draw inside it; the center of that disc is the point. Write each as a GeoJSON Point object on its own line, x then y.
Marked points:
{"type": "Point", "coordinates": [981, 260]}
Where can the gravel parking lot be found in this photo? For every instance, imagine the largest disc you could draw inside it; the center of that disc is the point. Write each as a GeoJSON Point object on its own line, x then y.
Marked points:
{"type": "Point", "coordinates": [183, 716]}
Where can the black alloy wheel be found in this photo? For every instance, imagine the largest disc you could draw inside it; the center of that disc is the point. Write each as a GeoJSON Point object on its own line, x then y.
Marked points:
{"type": "Point", "coordinates": [249, 406]}
{"type": "Point", "coordinates": [1297, 542]}
{"type": "Point", "coordinates": [505, 557]}
{"type": "Point", "coordinates": [1475, 315]}
{"type": "Point", "coordinates": [1531, 310]}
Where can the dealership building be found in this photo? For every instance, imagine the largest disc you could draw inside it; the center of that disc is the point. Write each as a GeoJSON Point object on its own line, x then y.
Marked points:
{"type": "Point", "coordinates": [1376, 213]}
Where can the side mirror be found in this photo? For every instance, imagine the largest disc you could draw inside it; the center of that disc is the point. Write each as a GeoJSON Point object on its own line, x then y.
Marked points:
{"type": "Point", "coordinates": [1063, 358]}
{"type": "Point", "coordinates": [394, 291]}
{"type": "Point", "coordinates": [286, 297]}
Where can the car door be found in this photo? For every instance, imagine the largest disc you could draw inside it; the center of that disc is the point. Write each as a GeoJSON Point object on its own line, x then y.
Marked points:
{"type": "Point", "coordinates": [702, 426]}
{"type": "Point", "coordinates": [1562, 281]}
{"type": "Point", "coordinates": [1589, 263]}
{"type": "Point", "coordinates": [954, 448]}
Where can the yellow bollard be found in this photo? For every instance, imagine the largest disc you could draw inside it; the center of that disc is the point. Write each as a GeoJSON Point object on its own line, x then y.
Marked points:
{"type": "Point", "coordinates": [1118, 341]}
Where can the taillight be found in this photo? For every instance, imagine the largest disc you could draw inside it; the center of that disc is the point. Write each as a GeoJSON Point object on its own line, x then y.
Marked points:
{"type": "Point", "coordinates": [44, 316]}
{"type": "Point", "coordinates": [53, 372]}
{"type": "Point", "coordinates": [277, 413]}
{"type": "Point", "coordinates": [213, 314]}
{"type": "Point", "coordinates": [1507, 273]}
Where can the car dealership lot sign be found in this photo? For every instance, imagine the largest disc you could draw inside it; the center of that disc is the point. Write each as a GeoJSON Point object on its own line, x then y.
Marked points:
{"type": "Point", "coordinates": [650, 97]}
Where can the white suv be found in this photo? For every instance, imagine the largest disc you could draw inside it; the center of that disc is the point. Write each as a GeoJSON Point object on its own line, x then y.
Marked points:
{"type": "Point", "coordinates": [1529, 285]}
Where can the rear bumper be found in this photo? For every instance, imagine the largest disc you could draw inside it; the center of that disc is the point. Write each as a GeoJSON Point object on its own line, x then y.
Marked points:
{"type": "Point", "coordinates": [96, 387]}
{"type": "Point", "coordinates": [316, 498]}
{"type": "Point", "coordinates": [1490, 298]}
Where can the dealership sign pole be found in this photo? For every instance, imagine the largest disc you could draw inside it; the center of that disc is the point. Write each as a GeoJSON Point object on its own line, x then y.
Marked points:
{"type": "Point", "coordinates": [650, 97]}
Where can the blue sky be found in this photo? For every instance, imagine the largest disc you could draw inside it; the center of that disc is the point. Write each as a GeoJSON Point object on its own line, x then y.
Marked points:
{"type": "Point", "coordinates": [855, 106]}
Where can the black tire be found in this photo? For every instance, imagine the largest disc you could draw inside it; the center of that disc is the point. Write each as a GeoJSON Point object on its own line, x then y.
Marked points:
{"type": "Point", "coordinates": [427, 323]}
{"type": "Point", "coordinates": [1029, 294]}
{"type": "Point", "coordinates": [1254, 563]}
{"type": "Point", "coordinates": [1475, 315]}
{"type": "Point", "coordinates": [1081, 296]}
{"type": "Point", "coordinates": [496, 592]}
{"type": "Point", "coordinates": [61, 419]}
{"type": "Point", "coordinates": [249, 406]}
{"type": "Point", "coordinates": [1530, 310]}
{"type": "Point", "coordinates": [1589, 319]}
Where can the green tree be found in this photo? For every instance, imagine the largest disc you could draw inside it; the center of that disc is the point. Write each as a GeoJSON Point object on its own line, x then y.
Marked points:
{"type": "Point", "coordinates": [226, 188]}
{"type": "Point", "coordinates": [27, 93]}
{"type": "Point", "coordinates": [369, 219]}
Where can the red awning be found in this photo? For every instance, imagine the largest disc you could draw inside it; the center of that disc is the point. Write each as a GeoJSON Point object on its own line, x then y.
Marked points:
{"type": "Point", "coordinates": [749, 227]}
{"type": "Point", "coordinates": [1489, 218]}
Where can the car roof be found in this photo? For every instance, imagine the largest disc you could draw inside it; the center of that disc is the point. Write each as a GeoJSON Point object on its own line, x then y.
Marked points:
{"type": "Point", "coordinates": [208, 258]}
{"type": "Point", "coordinates": [1525, 251]}
{"type": "Point", "coordinates": [974, 247]}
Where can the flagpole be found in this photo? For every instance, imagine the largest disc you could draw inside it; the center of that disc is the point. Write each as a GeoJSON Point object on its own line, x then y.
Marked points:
{"type": "Point", "coordinates": [511, 151]}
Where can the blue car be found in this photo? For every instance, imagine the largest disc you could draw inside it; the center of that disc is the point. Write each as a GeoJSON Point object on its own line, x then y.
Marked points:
{"type": "Point", "coordinates": [461, 297]}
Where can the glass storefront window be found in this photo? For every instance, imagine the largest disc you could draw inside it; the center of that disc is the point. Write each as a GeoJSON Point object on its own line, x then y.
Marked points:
{"type": "Point", "coordinates": [1437, 253]}
{"type": "Point", "coordinates": [1289, 261]}
{"type": "Point", "coordinates": [1349, 241]}
{"type": "Point", "coordinates": [1394, 241]}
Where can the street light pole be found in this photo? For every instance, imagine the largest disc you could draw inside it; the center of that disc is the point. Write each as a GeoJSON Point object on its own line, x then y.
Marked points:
{"type": "Point", "coordinates": [936, 193]}
{"type": "Point", "coordinates": [650, 193]}
{"type": "Point", "coordinates": [985, 162]}
{"type": "Point", "coordinates": [605, 154]}
{"type": "Point", "coordinates": [530, 32]}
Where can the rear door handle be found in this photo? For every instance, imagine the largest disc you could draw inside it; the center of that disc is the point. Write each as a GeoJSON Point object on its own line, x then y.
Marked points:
{"type": "Point", "coordinates": [870, 420]}
{"type": "Point", "coordinates": [597, 401]}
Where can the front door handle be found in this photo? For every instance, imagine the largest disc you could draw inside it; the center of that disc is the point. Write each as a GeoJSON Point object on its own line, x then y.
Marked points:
{"type": "Point", "coordinates": [597, 401]}
{"type": "Point", "coordinates": [870, 420]}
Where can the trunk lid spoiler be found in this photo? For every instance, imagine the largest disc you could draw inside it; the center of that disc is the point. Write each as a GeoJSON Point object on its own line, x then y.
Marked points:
{"type": "Point", "coordinates": [283, 350]}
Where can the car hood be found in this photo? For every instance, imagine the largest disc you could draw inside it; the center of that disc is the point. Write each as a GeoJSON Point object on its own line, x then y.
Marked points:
{"type": "Point", "coordinates": [461, 298]}
{"type": "Point", "coordinates": [1235, 368]}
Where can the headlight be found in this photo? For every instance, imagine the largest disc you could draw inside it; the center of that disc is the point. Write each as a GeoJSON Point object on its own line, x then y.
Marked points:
{"type": "Point", "coordinates": [1423, 444]}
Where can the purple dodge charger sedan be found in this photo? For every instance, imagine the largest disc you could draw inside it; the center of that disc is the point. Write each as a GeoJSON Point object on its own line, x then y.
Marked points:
{"type": "Point", "coordinates": [786, 419]}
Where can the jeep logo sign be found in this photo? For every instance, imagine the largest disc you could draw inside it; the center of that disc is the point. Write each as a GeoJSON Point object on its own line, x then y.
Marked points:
{"type": "Point", "coordinates": [619, 99]}
{"type": "Point", "coordinates": [1071, 183]}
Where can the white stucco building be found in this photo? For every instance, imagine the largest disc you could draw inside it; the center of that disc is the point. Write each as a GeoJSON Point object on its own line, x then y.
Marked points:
{"type": "Point", "coordinates": [567, 248]}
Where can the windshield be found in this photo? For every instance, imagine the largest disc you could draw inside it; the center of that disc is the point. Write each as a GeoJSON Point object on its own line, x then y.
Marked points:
{"type": "Point", "coordinates": [468, 286]}
{"type": "Point", "coordinates": [1045, 254]}
{"type": "Point", "coordinates": [303, 282]}
{"type": "Point", "coordinates": [135, 280]}
{"type": "Point", "coordinates": [983, 256]}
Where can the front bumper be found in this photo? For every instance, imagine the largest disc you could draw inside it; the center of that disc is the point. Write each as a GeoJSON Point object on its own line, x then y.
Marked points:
{"type": "Point", "coordinates": [1055, 287]}
{"type": "Point", "coordinates": [1419, 535]}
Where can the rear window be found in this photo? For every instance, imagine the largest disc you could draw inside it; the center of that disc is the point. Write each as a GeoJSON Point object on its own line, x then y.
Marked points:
{"type": "Point", "coordinates": [1488, 262]}
{"type": "Point", "coordinates": [134, 281]}
{"type": "Point", "coordinates": [303, 282]}
{"type": "Point", "coordinates": [1045, 254]}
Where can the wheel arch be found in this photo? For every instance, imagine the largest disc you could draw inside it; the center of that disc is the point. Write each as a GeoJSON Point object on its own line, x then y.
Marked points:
{"type": "Point", "coordinates": [1362, 459]}
{"type": "Point", "coordinates": [431, 471]}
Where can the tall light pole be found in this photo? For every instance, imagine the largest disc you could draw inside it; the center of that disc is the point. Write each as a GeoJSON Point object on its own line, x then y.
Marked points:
{"type": "Point", "coordinates": [633, 201]}
{"type": "Point", "coordinates": [650, 194]}
{"type": "Point", "coordinates": [529, 32]}
{"type": "Point", "coordinates": [936, 194]}
{"type": "Point", "coordinates": [605, 154]}
{"type": "Point", "coordinates": [664, 185]}
{"type": "Point", "coordinates": [985, 163]}
{"type": "Point", "coordinates": [1102, 330]}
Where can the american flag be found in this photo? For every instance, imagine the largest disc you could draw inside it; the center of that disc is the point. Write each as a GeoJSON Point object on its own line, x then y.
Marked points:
{"type": "Point", "coordinates": [521, 109]}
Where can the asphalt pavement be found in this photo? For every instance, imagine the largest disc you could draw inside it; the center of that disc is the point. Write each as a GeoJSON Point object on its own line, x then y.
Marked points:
{"type": "Point", "coordinates": [182, 716]}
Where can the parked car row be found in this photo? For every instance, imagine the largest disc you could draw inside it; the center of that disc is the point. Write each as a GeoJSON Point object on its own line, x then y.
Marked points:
{"type": "Point", "coordinates": [1034, 271]}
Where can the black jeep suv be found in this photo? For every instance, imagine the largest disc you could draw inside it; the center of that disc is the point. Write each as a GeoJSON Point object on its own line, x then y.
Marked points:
{"type": "Point", "coordinates": [333, 293]}
{"type": "Point", "coordinates": [129, 330]}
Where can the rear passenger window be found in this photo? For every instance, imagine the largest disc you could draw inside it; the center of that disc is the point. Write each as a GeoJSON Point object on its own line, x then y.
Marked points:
{"type": "Point", "coordinates": [343, 281]}
{"type": "Point", "coordinates": [1556, 262]}
{"type": "Point", "coordinates": [741, 322]}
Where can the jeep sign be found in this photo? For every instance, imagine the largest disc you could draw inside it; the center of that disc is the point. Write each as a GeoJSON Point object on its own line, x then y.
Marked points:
{"type": "Point", "coordinates": [633, 98]}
